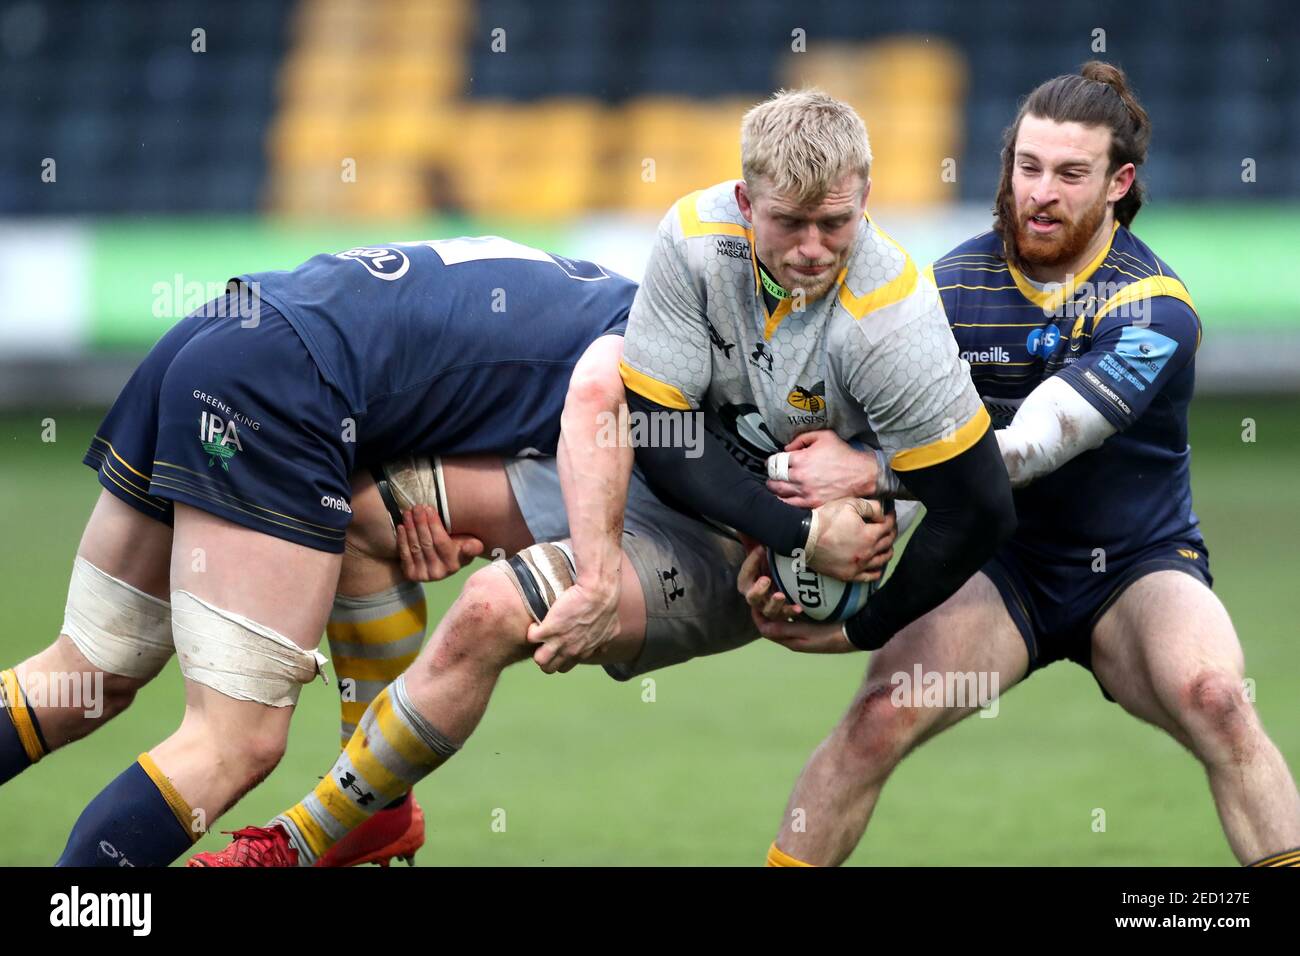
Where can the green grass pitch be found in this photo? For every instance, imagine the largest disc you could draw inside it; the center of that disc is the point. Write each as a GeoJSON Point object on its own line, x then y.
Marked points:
{"type": "Point", "coordinates": [587, 772]}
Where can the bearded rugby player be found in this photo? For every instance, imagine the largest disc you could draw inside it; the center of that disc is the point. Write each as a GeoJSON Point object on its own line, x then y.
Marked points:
{"type": "Point", "coordinates": [1082, 344]}
{"type": "Point", "coordinates": [841, 333]}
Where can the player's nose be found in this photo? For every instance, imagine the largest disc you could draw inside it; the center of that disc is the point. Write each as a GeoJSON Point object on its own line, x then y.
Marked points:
{"type": "Point", "coordinates": [811, 246]}
{"type": "Point", "coordinates": [1045, 193]}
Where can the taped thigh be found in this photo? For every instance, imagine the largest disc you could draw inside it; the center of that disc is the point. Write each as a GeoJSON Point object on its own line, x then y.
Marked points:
{"type": "Point", "coordinates": [120, 629]}
{"type": "Point", "coordinates": [540, 573]}
{"type": "Point", "coordinates": [414, 480]}
{"type": "Point", "coordinates": [238, 657]}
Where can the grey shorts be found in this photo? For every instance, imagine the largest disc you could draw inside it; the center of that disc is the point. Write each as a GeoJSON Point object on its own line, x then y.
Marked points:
{"type": "Point", "coordinates": [687, 569]}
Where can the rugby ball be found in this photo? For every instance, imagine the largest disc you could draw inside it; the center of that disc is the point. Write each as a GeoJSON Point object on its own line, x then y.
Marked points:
{"type": "Point", "coordinates": [822, 598]}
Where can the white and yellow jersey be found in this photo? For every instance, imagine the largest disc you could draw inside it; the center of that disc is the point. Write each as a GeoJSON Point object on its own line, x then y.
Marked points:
{"type": "Point", "coordinates": [875, 355]}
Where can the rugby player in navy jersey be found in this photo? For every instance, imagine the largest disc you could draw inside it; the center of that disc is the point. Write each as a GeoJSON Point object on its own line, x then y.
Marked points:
{"type": "Point", "coordinates": [226, 465]}
{"type": "Point", "coordinates": [1081, 342]}
{"type": "Point", "coordinates": [240, 422]}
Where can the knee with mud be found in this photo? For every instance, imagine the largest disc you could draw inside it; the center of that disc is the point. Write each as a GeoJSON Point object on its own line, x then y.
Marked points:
{"type": "Point", "coordinates": [877, 732]}
{"type": "Point", "coordinates": [485, 626]}
{"type": "Point", "coordinates": [1220, 721]}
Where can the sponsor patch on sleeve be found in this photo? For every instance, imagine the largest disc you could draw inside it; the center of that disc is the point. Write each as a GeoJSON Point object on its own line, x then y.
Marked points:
{"type": "Point", "coordinates": [1145, 351]}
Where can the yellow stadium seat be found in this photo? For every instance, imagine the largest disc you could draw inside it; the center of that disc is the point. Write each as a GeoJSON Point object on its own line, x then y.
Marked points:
{"type": "Point", "coordinates": [909, 92]}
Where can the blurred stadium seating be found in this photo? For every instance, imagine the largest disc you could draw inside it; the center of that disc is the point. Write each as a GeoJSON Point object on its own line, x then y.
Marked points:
{"type": "Point", "coordinates": [259, 120]}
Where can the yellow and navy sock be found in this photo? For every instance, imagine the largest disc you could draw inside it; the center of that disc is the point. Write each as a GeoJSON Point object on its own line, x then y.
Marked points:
{"type": "Point", "coordinates": [139, 819]}
{"type": "Point", "coordinates": [21, 742]}
{"type": "Point", "coordinates": [778, 857]}
{"type": "Point", "coordinates": [1289, 858]}
{"type": "Point", "coordinates": [392, 749]}
{"type": "Point", "coordinates": [373, 639]}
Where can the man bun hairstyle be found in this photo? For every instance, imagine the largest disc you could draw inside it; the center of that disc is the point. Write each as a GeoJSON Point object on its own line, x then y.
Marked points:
{"type": "Point", "coordinates": [1098, 95]}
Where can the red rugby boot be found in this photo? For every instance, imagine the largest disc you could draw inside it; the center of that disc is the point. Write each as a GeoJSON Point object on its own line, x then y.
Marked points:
{"type": "Point", "coordinates": [252, 846]}
{"type": "Point", "coordinates": [394, 833]}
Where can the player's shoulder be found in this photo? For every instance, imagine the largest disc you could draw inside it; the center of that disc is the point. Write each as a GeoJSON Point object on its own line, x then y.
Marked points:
{"type": "Point", "coordinates": [706, 214]}
{"type": "Point", "coordinates": [982, 253]}
{"type": "Point", "coordinates": [1138, 278]}
{"type": "Point", "coordinates": [1127, 249]}
{"type": "Point", "coordinates": [879, 273]}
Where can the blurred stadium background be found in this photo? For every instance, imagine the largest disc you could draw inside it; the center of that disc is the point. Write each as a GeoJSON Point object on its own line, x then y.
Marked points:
{"type": "Point", "coordinates": [149, 150]}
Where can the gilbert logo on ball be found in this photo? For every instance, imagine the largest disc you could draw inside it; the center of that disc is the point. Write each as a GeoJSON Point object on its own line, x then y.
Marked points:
{"type": "Point", "coordinates": [822, 597]}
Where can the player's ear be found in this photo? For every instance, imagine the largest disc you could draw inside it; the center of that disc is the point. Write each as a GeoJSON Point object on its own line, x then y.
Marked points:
{"type": "Point", "coordinates": [866, 191]}
{"type": "Point", "coordinates": [743, 201]}
{"type": "Point", "coordinates": [1121, 182]}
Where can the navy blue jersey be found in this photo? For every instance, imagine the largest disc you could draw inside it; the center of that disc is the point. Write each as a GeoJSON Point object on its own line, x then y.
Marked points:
{"type": "Point", "coordinates": [1124, 335]}
{"type": "Point", "coordinates": [455, 346]}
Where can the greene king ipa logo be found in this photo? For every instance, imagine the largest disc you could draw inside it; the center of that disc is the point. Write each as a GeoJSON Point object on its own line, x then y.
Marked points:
{"type": "Point", "coordinates": [220, 439]}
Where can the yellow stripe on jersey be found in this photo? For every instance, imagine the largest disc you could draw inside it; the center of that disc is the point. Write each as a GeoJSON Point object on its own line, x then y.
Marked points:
{"type": "Point", "coordinates": [670, 396]}
{"type": "Point", "coordinates": [942, 449]}
{"type": "Point", "coordinates": [1146, 289]}
{"type": "Point", "coordinates": [782, 310]}
{"type": "Point", "coordinates": [692, 226]}
{"type": "Point", "coordinates": [1052, 301]}
{"type": "Point", "coordinates": [859, 306]}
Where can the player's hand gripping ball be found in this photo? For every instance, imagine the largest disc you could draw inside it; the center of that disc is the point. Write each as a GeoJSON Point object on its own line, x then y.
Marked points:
{"type": "Point", "coordinates": [822, 598]}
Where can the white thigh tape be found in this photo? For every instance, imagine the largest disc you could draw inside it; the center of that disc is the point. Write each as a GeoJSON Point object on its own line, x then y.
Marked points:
{"type": "Point", "coordinates": [778, 466]}
{"type": "Point", "coordinates": [417, 480]}
{"type": "Point", "coordinates": [540, 573]}
{"type": "Point", "coordinates": [120, 629]}
{"type": "Point", "coordinates": [237, 657]}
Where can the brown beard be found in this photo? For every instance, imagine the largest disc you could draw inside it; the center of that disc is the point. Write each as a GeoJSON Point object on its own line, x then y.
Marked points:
{"type": "Point", "coordinates": [1076, 235]}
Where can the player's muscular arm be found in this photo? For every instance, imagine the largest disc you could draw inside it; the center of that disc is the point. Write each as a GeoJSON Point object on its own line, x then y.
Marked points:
{"type": "Point", "coordinates": [969, 513]}
{"type": "Point", "coordinates": [706, 479]}
{"type": "Point", "coordinates": [1053, 425]}
{"type": "Point", "coordinates": [844, 538]}
{"type": "Point", "coordinates": [903, 365]}
{"type": "Point", "coordinates": [594, 475]}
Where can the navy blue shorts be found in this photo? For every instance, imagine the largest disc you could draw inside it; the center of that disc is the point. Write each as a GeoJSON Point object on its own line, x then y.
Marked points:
{"type": "Point", "coordinates": [1056, 605]}
{"type": "Point", "coordinates": [232, 416]}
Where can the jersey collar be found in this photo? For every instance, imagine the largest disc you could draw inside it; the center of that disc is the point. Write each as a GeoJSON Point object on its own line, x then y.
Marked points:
{"type": "Point", "coordinates": [1052, 301]}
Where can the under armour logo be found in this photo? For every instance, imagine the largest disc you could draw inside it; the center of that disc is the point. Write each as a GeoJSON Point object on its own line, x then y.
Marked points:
{"type": "Point", "coordinates": [719, 342]}
{"type": "Point", "coordinates": [672, 588]}
{"type": "Point", "coordinates": [761, 353]}
{"type": "Point", "coordinates": [349, 782]}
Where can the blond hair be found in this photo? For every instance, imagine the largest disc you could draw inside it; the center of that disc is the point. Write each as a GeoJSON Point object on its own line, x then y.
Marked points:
{"type": "Point", "coordinates": [802, 142]}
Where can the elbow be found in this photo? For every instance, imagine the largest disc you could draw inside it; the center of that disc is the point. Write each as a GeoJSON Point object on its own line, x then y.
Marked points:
{"type": "Point", "coordinates": [595, 388]}
{"type": "Point", "coordinates": [596, 380]}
